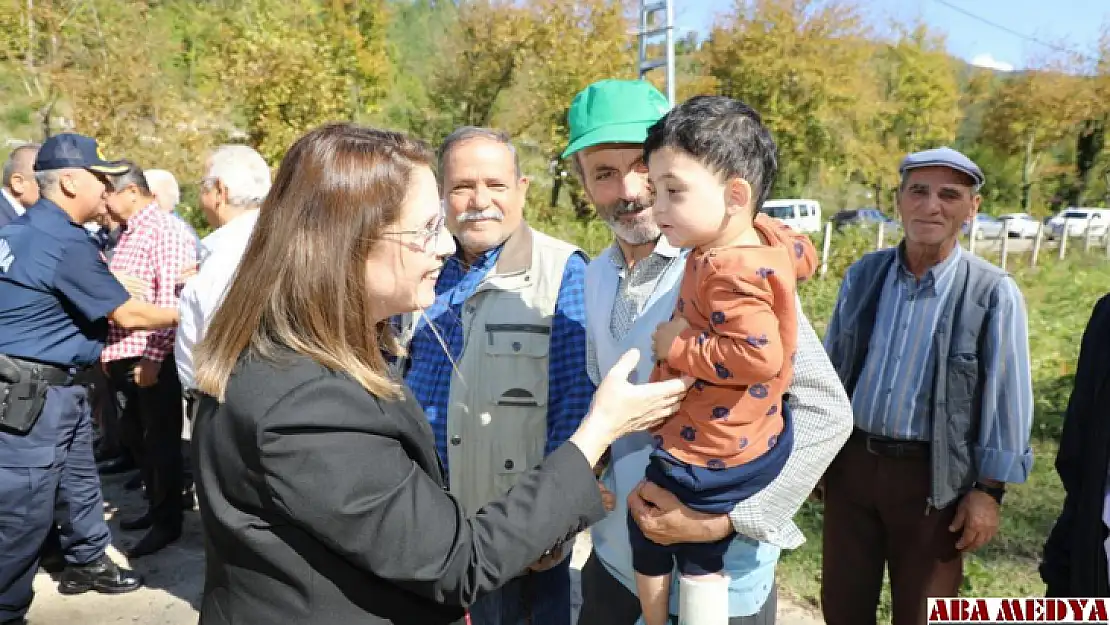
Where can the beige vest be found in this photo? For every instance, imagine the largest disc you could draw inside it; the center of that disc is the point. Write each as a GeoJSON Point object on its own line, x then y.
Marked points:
{"type": "Point", "coordinates": [497, 417]}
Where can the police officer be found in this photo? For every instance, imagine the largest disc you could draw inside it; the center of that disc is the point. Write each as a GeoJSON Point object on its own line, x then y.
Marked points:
{"type": "Point", "coordinates": [56, 298]}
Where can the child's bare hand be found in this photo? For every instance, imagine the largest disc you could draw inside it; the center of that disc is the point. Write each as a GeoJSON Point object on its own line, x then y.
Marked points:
{"type": "Point", "coordinates": [665, 336]}
{"type": "Point", "coordinates": [608, 499]}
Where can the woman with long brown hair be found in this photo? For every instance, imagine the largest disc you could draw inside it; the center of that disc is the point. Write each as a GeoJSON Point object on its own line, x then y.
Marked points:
{"type": "Point", "coordinates": [322, 498]}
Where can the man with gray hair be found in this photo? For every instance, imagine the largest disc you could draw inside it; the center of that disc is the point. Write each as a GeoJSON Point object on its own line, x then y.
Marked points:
{"type": "Point", "coordinates": [167, 195]}
{"type": "Point", "coordinates": [514, 297]}
{"type": "Point", "coordinates": [931, 343]}
{"type": "Point", "coordinates": [164, 186]}
{"type": "Point", "coordinates": [19, 188]}
{"type": "Point", "coordinates": [236, 181]}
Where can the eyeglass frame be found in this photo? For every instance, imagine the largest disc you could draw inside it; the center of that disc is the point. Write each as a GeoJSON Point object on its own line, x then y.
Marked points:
{"type": "Point", "coordinates": [431, 233]}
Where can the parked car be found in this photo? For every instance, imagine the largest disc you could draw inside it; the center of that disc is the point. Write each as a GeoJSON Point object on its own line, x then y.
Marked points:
{"type": "Point", "coordinates": [986, 227]}
{"type": "Point", "coordinates": [1077, 220]}
{"type": "Point", "coordinates": [801, 215]}
{"type": "Point", "coordinates": [1020, 225]}
{"type": "Point", "coordinates": [865, 217]}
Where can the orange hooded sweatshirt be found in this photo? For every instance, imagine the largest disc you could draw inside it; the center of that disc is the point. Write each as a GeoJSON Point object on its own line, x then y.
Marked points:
{"type": "Point", "coordinates": [741, 306]}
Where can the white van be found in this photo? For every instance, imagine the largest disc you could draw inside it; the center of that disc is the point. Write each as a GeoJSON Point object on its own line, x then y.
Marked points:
{"type": "Point", "coordinates": [801, 215]}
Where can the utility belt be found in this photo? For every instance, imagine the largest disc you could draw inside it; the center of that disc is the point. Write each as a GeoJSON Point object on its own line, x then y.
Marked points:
{"type": "Point", "coordinates": [23, 385]}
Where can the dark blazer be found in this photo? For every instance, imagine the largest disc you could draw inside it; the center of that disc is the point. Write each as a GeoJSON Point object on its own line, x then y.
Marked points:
{"type": "Point", "coordinates": [323, 504]}
{"type": "Point", "coordinates": [1074, 563]}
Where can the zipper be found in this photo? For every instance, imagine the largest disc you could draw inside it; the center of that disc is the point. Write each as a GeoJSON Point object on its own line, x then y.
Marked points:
{"type": "Point", "coordinates": [518, 327]}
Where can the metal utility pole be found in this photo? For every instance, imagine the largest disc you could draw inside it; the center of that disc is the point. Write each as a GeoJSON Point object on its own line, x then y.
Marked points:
{"type": "Point", "coordinates": [650, 29]}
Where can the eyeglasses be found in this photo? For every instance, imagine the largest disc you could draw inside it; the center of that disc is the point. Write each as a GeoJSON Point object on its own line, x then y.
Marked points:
{"type": "Point", "coordinates": [427, 235]}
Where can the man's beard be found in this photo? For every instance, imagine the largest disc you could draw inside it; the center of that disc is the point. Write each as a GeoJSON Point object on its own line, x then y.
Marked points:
{"type": "Point", "coordinates": [640, 232]}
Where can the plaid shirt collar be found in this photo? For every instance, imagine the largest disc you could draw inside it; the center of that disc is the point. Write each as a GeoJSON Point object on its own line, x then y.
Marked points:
{"type": "Point", "coordinates": [141, 218]}
{"type": "Point", "coordinates": [662, 248]}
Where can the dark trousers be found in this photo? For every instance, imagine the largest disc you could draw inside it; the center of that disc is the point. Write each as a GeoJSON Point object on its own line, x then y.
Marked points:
{"type": "Point", "coordinates": [606, 601]}
{"type": "Point", "coordinates": [532, 599]}
{"type": "Point", "coordinates": [105, 412]}
{"type": "Point", "coordinates": [151, 422]}
{"type": "Point", "coordinates": [50, 466]}
{"type": "Point", "coordinates": [875, 516]}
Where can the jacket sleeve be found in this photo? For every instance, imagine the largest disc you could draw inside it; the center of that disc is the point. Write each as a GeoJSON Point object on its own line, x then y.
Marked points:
{"type": "Point", "coordinates": [1055, 568]}
{"type": "Point", "coordinates": [334, 466]}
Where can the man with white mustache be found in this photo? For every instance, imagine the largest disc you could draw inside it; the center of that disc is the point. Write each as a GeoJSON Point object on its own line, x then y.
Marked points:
{"type": "Point", "coordinates": [499, 361]}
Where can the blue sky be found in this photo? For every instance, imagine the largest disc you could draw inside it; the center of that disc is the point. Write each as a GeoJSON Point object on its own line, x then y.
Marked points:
{"type": "Point", "coordinates": [1075, 23]}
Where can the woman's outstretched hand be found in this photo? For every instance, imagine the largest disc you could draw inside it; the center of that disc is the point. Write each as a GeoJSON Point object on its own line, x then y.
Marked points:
{"type": "Point", "coordinates": [620, 407]}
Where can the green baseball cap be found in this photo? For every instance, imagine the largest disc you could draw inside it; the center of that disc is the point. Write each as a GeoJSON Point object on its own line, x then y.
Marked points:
{"type": "Point", "coordinates": [613, 111]}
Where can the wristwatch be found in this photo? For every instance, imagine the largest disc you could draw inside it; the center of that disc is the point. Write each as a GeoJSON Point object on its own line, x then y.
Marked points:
{"type": "Point", "coordinates": [998, 492]}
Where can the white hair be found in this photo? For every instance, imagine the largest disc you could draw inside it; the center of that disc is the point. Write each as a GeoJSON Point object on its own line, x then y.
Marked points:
{"type": "Point", "coordinates": [243, 171]}
{"type": "Point", "coordinates": [164, 186]}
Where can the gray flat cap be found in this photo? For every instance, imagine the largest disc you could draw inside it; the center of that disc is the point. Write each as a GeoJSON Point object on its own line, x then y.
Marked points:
{"type": "Point", "coordinates": [943, 157]}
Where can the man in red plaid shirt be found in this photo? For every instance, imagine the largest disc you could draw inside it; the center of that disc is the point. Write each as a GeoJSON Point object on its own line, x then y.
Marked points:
{"type": "Point", "coordinates": [154, 249]}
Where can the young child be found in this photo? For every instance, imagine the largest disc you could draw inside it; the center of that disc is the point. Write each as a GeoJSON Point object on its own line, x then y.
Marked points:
{"type": "Point", "coordinates": [712, 163]}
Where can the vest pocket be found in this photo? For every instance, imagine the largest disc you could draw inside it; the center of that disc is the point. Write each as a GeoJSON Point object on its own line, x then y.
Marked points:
{"type": "Point", "coordinates": [963, 378]}
{"type": "Point", "coordinates": [517, 358]}
{"type": "Point", "coordinates": [516, 377]}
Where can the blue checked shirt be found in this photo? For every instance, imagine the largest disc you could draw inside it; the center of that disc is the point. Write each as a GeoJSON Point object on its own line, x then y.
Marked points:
{"type": "Point", "coordinates": [570, 389]}
{"type": "Point", "coordinates": [893, 396]}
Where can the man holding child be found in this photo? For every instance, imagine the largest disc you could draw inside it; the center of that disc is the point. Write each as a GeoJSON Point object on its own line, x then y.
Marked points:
{"type": "Point", "coordinates": [631, 289]}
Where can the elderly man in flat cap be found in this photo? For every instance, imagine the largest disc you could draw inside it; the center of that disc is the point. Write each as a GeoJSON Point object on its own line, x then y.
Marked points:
{"type": "Point", "coordinates": [931, 343]}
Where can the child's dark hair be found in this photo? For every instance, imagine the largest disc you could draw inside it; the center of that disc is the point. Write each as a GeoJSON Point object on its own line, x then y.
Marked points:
{"type": "Point", "coordinates": [723, 134]}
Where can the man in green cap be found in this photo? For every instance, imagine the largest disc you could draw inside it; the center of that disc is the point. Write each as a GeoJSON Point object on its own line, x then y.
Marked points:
{"type": "Point", "coordinates": [631, 288]}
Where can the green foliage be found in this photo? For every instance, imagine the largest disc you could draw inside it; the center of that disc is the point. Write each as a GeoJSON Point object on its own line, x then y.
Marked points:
{"type": "Point", "coordinates": [293, 65]}
{"type": "Point", "coordinates": [797, 62]}
{"type": "Point", "coordinates": [163, 81]}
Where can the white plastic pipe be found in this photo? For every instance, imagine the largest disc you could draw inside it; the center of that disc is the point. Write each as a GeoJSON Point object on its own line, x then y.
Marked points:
{"type": "Point", "coordinates": [703, 601]}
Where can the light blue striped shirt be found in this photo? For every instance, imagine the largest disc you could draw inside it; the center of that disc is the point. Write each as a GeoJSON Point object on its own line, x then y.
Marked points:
{"type": "Point", "coordinates": [893, 396]}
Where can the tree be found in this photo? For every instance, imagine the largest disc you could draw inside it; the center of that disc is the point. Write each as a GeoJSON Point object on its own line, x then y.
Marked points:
{"type": "Point", "coordinates": [573, 44]}
{"type": "Point", "coordinates": [518, 65]}
{"type": "Point", "coordinates": [489, 45]}
{"type": "Point", "coordinates": [918, 108]}
{"type": "Point", "coordinates": [80, 67]}
{"type": "Point", "coordinates": [290, 66]}
{"type": "Point", "coordinates": [798, 62]}
{"type": "Point", "coordinates": [1034, 111]}
{"type": "Point", "coordinates": [1091, 156]}
{"type": "Point", "coordinates": [919, 81]}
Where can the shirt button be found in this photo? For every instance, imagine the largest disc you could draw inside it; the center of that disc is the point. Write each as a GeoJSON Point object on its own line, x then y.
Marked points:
{"type": "Point", "coordinates": [508, 465]}
{"type": "Point", "coordinates": [456, 440]}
